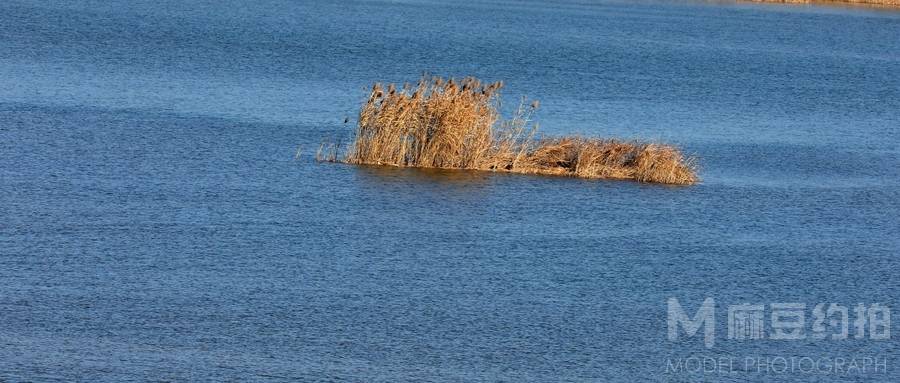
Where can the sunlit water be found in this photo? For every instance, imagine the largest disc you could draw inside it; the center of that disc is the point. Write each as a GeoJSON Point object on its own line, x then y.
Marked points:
{"type": "Point", "coordinates": [157, 223]}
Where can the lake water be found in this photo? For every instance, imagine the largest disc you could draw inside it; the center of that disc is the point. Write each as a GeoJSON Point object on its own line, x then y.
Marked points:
{"type": "Point", "coordinates": [157, 223]}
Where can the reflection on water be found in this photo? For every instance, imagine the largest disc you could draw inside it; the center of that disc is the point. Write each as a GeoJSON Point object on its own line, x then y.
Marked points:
{"type": "Point", "coordinates": [444, 177]}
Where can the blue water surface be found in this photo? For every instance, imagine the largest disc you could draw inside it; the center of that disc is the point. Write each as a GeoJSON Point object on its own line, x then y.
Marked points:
{"type": "Point", "coordinates": [162, 217]}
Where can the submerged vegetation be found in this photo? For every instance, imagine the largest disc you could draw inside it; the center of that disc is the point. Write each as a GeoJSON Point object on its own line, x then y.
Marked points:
{"type": "Point", "coordinates": [457, 125]}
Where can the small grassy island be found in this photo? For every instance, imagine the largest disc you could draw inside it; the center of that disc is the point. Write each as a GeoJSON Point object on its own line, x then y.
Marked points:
{"type": "Point", "coordinates": [447, 124]}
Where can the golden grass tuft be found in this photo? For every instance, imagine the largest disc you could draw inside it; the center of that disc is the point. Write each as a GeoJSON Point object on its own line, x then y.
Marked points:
{"type": "Point", "coordinates": [442, 123]}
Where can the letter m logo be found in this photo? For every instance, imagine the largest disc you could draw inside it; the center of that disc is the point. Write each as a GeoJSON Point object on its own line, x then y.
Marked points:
{"type": "Point", "coordinates": [704, 317]}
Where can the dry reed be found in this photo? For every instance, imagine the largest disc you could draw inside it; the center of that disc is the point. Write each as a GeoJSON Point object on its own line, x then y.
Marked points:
{"type": "Point", "coordinates": [448, 124]}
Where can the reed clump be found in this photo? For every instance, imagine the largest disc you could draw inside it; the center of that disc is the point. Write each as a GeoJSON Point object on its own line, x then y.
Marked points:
{"type": "Point", "coordinates": [440, 123]}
